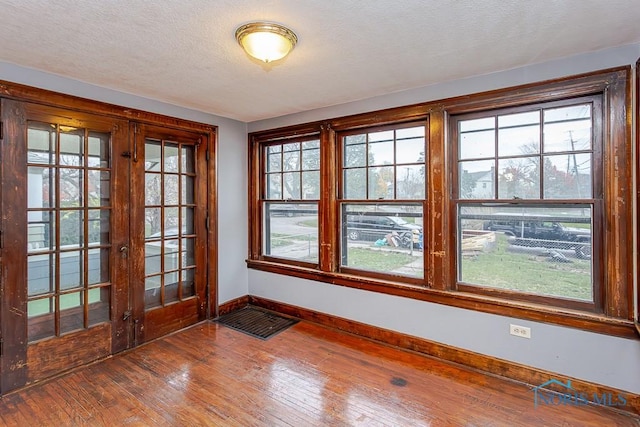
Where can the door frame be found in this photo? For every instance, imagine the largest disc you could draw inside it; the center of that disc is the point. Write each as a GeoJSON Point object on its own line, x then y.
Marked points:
{"type": "Point", "coordinates": [13, 324]}
{"type": "Point", "coordinates": [13, 355]}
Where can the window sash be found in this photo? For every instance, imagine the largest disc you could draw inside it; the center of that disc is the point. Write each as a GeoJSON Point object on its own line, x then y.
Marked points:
{"type": "Point", "coordinates": [383, 163]}
{"type": "Point", "coordinates": [290, 191]}
{"type": "Point", "coordinates": [528, 186]}
{"type": "Point", "coordinates": [546, 164]}
{"type": "Point", "coordinates": [383, 239]}
{"type": "Point", "coordinates": [531, 251]}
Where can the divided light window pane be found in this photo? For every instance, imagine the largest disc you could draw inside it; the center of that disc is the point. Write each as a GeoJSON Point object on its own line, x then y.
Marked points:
{"type": "Point", "coordinates": [548, 160]}
{"type": "Point", "coordinates": [519, 134]}
{"type": "Point", "coordinates": [292, 171]}
{"type": "Point", "coordinates": [541, 250]}
{"type": "Point", "coordinates": [383, 238]}
{"type": "Point", "coordinates": [384, 165]}
{"type": "Point", "coordinates": [291, 231]}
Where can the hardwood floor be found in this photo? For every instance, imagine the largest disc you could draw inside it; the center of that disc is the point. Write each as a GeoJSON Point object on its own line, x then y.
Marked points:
{"type": "Point", "coordinates": [307, 375]}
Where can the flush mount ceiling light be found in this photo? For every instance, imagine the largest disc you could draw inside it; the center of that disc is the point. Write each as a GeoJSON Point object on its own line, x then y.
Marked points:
{"type": "Point", "coordinates": [266, 41]}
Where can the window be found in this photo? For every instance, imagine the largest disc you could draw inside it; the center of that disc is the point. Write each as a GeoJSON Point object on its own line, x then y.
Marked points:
{"type": "Point", "coordinates": [531, 231]}
{"type": "Point", "coordinates": [290, 192]}
{"type": "Point", "coordinates": [382, 197]}
{"type": "Point", "coordinates": [512, 202]}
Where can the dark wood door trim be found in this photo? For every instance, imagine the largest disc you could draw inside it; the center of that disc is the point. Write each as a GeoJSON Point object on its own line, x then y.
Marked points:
{"type": "Point", "coordinates": [14, 228]}
{"type": "Point", "coordinates": [120, 258]}
{"type": "Point", "coordinates": [136, 235]}
{"type": "Point", "coordinates": [212, 224]}
{"type": "Point", "coordinates": [637, 153]}
{"type": "Point", "coordinates": [79, 105]}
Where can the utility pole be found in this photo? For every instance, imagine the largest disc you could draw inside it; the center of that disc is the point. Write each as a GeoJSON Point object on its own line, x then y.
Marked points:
{"type": "Point", "coordinates": [575, 163]}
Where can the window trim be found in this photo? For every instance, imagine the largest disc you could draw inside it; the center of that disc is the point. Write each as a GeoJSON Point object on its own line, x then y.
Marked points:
{"type": "Point", "coordinates": [637, 164]}
{"type": "Point", "coordinates": [616, 316]}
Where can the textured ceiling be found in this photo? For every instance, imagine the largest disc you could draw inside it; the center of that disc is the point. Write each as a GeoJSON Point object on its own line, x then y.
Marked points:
{"type": "Point", "coordinates": [184, 51]}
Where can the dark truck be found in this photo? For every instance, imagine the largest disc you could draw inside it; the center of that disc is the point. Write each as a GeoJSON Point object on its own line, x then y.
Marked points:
{"type": "Point", "coordinates": [546, 234]}
{"type": "Point", "coordinates": [374, 227]}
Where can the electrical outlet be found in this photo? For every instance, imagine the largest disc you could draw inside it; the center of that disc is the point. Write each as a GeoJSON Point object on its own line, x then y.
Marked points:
{"type": "Point", "coordinates": [520, 331]}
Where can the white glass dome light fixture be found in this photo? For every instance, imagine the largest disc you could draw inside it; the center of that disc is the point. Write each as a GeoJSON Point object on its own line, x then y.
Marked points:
{"type": "Point", "coordinates": [266, 41]}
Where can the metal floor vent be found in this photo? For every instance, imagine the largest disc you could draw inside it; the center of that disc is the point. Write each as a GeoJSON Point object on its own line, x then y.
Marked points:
{"type": "Point", "coordinates": [255, 322]}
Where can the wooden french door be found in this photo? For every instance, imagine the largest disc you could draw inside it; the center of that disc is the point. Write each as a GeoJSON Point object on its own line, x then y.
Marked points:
{"type": "Point", "coordinates": [169, 228]}
{"type": "Point", "coordinates": [62, 229]}
{"type": "Point", "coordinates": [103, 237]}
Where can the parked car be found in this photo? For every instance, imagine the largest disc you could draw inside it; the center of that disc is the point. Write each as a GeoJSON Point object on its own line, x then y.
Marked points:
{"type": "Point", "coordinates": [292, 209]}
{"type": "Point", "coordinates": [546, 234]}
{"type": "Point", "coordinates": [375, 227]}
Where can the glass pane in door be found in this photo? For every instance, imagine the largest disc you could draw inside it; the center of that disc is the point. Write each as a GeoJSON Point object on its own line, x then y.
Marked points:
{"type": "Point", "coordinates": [68, 232]}
{"type": "Point", "coordinates": [169, 222]}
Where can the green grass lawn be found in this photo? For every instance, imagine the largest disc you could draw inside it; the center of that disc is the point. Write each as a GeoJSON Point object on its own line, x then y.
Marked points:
{"type": "Point", "coordinates": [42, 306]}
{"type": "Point", "coordinates": [501, 266]}
{"type": "Point", "coordinates": [576, 225]}
{"type": "Point", "coordinates": [281, 239]}
{"type": "Point", "coordinates": [529, 271]}
{"type": "Point", "coordinates": [377, 260]}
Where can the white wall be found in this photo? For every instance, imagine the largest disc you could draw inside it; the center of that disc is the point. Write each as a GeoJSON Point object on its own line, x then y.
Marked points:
{"type": "Point", "coordinates": [232, 212]}
{"type": "Point", "coordinates": [589, 356]}
{"type": "Point", "coordinates": [232, 163]}
{"type": "Point", "coordinates": [624, 55]}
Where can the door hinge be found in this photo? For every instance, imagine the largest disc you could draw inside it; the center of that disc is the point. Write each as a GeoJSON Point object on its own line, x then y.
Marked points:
{"type": "Point", "coordinates": [135, 143]}
{"type": "Point", "coordinates": [206, 222]}
{"type": "Point", "coordinates": [1, 347]}
{"type": "Point", "coordinates": [1, 239]}
{"type": "Point", "coordinates": [206, 155]}
{"type": "Point", "coordinates": [1, 130]}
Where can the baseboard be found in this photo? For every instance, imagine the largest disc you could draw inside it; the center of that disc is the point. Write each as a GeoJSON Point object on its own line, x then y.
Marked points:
{"type": "Point", "coordinates": [233, 305]}
{"type": "Point", "coordinates": [487, 364]}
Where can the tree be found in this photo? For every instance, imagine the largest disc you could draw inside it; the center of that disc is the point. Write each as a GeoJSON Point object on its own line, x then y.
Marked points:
{"type": "Point", "coordinates": [311, 169]}
{"type": "Point", "coordinates": [155, 189]}
{"type": "Point", "coordinates": [355, 161]}
{"type": "Point", "coordinates": [291, 171]}
{"type": "Point", "coordinates": [520, 179]}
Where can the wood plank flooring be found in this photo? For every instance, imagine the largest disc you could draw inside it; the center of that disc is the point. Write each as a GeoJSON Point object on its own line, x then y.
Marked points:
{"type": "Point", "coordinates": [308, 375]}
